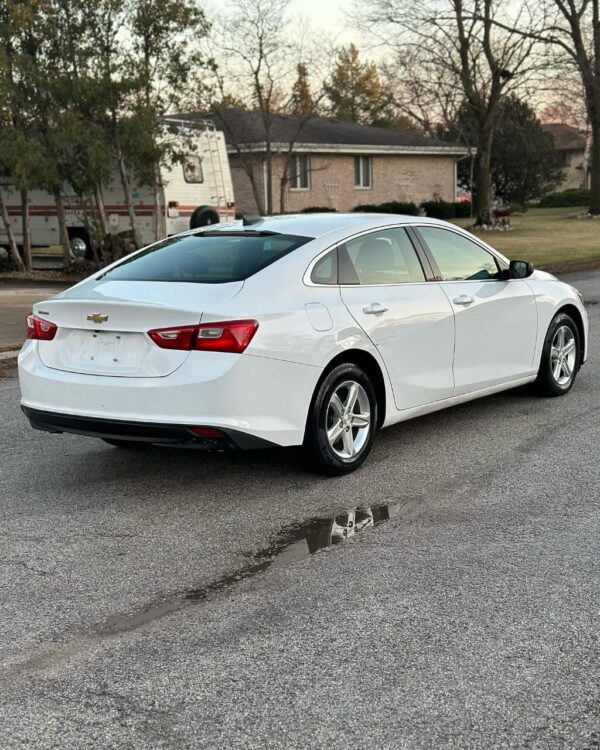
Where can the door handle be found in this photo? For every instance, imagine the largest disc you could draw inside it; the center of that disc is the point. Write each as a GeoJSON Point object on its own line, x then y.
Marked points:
{"type": "Point", "coordinates": [375, 308]}
{"type": "Point", "coordinates": [464, 299]}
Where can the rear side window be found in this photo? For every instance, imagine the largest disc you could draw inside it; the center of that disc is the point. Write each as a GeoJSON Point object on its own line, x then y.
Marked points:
{"type": "Point", "coordinates": [211, 258]}
{"type": "Point", "coordinates": [326, 270]}
{"type": "Point", "coordinates": [383, 257]}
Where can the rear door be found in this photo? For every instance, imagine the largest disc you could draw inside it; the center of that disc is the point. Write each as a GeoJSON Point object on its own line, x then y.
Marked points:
{"type": "Point", "coordinates": [496, 318]}
{"type": "Point", "coordinates": [409, 319]}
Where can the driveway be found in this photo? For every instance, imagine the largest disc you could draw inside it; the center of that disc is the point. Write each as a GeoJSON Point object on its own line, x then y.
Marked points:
{"type": "Point", "coordinates": [166, 599]}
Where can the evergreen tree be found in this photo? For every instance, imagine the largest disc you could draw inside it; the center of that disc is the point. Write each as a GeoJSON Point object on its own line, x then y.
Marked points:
{"type": "Point", "coordinates": [356, 92]}
{"type": "Point", "coordinates": [524, 162]}
{"type": "Point", "coordinates": [301, 100]}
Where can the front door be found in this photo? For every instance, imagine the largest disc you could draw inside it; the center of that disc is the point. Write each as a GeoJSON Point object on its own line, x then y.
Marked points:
{"type": "Point", "coordinates": [408, 318]}
{"type": "Point", "coordinates": [495, 318]}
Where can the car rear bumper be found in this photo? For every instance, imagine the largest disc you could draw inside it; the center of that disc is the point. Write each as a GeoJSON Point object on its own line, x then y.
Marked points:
{"type": "Point", "coordinates": [259, 397]}
{"type": "Point", "coordinates": [144, 432]}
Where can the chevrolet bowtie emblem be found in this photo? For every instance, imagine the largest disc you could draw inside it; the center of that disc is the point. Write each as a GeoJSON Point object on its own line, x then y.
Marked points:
{"type": "Point", "coordinates": [97, 318]}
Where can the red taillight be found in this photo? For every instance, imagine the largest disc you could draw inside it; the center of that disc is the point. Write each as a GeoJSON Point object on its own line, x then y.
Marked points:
{"type": "Point", "coordinates": [38, 328]}
{"type": "Point", "coordinates": [174, 338]}
{"type": "Point", "coordinates": [231, 336]}
{"type": "Point", "coordinates": [207, 432]}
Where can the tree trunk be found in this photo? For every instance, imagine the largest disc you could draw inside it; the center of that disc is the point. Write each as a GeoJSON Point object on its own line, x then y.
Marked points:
{"type": "Point", "coordinates": [12, 243]}
{"type": "Point", "coordinates": [63, 232]}
{"type": "Point", "coordinates": [101, 214]}
{"type": "Point", "coordinates": [282, 184]}
{"type": "Point", "coordinates": [26, 223]}
{"type": "Point", "coordinates": [269, 195]}
{"type": "Point", "coordinates": [158, 233]}
{"type": "Point", "coordinates": [257, 191]}
{"type": "Point", "coordinates": [483, 174]}
{"type": "Point", "coordinates": [595, 168]}
{"type": "Point", "coordinates": [99, 200]}
{"type": "Point", "coordinates": [126, 186]}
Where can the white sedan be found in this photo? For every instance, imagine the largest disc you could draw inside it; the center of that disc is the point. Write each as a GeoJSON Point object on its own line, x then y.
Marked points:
{"type": "Point", "coordinates": [316, 329]}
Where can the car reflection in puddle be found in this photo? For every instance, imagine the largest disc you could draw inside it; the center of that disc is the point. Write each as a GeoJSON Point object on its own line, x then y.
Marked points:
{"type": "Point", "coordinates": [297, 542]}
{"type": "Point", "coordinates": [311, 536]}
{"type": "Point", "coordinates": [292, 544]}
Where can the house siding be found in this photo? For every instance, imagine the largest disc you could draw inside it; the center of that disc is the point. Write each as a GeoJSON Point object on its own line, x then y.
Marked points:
{"type": "Point", "coordinates": [574, 176]}
{"type": "Point", "coordinates": [396, 177]}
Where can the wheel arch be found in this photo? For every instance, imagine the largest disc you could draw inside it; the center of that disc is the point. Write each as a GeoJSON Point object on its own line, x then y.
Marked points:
{"type": "Point", "coordinates": [574, 313]}
{"type": "Point", "coordinates": [370, 365]}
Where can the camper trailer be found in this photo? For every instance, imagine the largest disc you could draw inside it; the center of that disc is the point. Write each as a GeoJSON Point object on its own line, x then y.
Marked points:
{"type": "Point", "coordinates": [194, 193]}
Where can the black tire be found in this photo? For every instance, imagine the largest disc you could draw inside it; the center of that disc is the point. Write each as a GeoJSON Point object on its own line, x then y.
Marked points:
{"type": "Point", "coordinates": [130, 444]}
{"type": "Point", "coordinates": [547, 384]}
{"type": "Point", "coordinates": [79, 234]}
{"type": "Point", "coordinates": [203, 216]}
{"type": "Point", "coordinates": [322, 456]}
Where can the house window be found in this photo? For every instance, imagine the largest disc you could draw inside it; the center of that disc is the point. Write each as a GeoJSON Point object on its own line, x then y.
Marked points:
{"type": "Point", "coordinates": [300, 179]}
{"type": "Point", "coordinates": [363, 171]}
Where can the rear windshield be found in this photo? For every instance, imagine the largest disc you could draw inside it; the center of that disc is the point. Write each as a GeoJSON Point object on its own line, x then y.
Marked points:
{"type": "Point", "coordinates": [213, 258]}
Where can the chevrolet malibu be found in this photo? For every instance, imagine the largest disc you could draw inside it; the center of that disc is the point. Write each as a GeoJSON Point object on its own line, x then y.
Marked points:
{"type": "Point", "coordinates": [312, 330]}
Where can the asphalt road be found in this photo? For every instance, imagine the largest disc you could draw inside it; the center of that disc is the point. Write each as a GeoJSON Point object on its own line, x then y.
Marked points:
{"type": "Point", "coordinates": [469, 619]}
{"type": "Point", "coordinates": [16, 300]}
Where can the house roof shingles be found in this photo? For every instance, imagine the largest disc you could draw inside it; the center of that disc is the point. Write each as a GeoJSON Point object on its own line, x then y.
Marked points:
{"type": "Point", "coordinates": [245, 127]}
{"type": "Point", "coordinates": [566, 137]}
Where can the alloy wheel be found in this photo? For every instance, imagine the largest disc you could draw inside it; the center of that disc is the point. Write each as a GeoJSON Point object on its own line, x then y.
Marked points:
{"type": "Point", "coordinates": [348, 419]}
{"type": "Point", "coordinates": [562, 355]}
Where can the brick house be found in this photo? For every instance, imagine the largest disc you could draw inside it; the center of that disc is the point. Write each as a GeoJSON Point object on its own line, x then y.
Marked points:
{"type": "Point", "coordinates": [571, 144]}
{"type": "Point", "coordinates": [332, 163]}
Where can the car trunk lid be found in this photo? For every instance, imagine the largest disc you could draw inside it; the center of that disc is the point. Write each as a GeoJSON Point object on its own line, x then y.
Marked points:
{"type": "Point", "coordinates": [103, 325]}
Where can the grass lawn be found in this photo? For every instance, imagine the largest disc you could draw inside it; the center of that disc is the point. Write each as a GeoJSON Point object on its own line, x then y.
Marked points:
{"type": "Point", "coordinates": [548, 237]}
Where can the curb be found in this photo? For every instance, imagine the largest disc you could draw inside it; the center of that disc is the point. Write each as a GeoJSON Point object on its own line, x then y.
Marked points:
{"type": "Point", "coordinates": [9, 355]}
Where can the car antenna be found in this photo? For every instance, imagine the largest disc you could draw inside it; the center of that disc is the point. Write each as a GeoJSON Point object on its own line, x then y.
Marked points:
{"type": "Point", "coordinates": [250, 219]}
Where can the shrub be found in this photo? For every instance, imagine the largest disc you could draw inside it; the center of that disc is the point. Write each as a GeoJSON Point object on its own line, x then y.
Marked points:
{"type": "Point", "coordinates": [391, 207]}
{"type": "Point", "coordinates": [445, 210]}
{"type": "Point", "coordinates": [463, 210]}
{"type": "Point", "coordinates": [439, 209]}
{"type": "Point", "coordinates": [318, 210]}
{"type": "Point", "coordinates": [566, 199]}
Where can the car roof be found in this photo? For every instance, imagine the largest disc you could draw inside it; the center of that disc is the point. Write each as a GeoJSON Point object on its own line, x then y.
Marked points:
{"type": "Point", "coordinates": [319, 224]}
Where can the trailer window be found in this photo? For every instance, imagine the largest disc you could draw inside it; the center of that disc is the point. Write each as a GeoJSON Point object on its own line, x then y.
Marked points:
{"type": "Point", "coordinates": [192, 169]}
{"type": "Point", "coordinates": [213, 259]}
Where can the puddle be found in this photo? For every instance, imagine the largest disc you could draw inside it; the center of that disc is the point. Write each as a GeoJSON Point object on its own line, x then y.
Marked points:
{"type": "Point", "coordinates": [292, 544]}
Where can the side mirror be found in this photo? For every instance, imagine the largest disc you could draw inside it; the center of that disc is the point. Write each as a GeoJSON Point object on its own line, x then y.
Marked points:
{"type": "Point", "coordinates": [520, 269]}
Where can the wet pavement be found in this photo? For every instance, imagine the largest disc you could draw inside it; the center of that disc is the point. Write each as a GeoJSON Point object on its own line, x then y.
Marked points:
{"type": "Point", "coordinates": [445, 596]}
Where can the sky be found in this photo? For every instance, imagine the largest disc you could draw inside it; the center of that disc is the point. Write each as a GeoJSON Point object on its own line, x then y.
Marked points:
{"type": "Point", "coordinates": [326, 15]}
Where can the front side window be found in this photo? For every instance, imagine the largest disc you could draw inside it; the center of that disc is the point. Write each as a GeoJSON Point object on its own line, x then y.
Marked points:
{"type": "Point", "coordinates": [383, 257]}
{"type": "Point", "coordinates": [192, 169]}
{"type": "Point", "coordinates": [363, 171]}
{"type": "Point", "coordinates": [300, 172]}
{"type": "Point", "coordinates": [209, 258]}
{"type": "Point", "coordinates": [458, 258]}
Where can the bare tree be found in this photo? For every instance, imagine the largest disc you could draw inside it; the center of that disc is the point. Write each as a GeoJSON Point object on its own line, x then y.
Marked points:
{"type": "Point", "coordinates": [257, 51]}
{"type": "Point", "coordinates": [256, 56]}
{"type": "Point", "coordinates": [573, 28]}
{"type": "Point", "coordinates": [449, 51]}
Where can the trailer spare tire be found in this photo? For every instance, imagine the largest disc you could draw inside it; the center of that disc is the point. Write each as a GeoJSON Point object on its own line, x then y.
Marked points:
{"type": "Point", "coordinates": [203, 216]}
